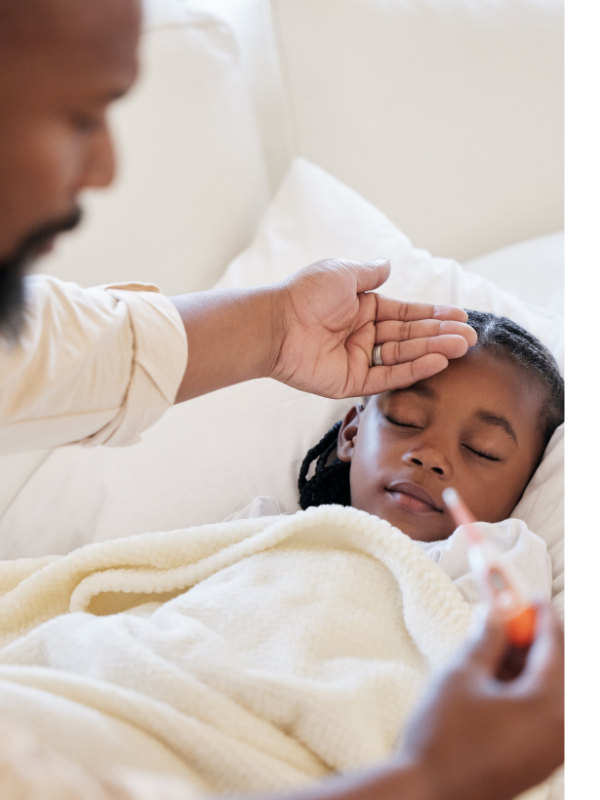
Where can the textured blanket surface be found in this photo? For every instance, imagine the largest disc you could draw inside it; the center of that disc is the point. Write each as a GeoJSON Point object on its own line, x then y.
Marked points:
{"type": "Point", "coordinates": [243, 656]}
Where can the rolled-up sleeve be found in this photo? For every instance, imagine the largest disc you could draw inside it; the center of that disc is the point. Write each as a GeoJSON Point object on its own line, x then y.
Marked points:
{"type": "Point", "coordinates": [90, 366]}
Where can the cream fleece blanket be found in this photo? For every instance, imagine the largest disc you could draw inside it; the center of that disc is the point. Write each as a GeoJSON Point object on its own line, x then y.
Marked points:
{"type": "Point", "coordinates": [243, 656]}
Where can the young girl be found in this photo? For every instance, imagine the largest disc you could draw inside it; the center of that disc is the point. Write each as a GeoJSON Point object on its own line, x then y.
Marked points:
{"type": "Point", "coordinates": [480, 426]}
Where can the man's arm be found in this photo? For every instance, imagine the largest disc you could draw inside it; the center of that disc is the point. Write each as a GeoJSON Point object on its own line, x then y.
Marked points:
{"type": "Point", "coordinates": [316, 331]}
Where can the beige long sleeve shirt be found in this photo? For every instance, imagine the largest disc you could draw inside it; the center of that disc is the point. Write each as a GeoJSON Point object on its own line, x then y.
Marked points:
{"type": "Point", "coordinates": [91, 366]}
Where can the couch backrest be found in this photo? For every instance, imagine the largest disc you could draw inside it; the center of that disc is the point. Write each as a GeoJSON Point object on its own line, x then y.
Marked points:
{"type": "Point", "coordinates": [446, 114]}
{"type": "Point", "coordinates": [192, 180]}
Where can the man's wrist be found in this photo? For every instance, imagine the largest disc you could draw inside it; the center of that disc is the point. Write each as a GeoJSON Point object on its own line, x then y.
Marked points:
{"type": "Point", "coordinates": [279, 310]}
{"type": "Point", "coordinates": [408, 780]}
{"type": "Point", "coordinates": [394, 780]}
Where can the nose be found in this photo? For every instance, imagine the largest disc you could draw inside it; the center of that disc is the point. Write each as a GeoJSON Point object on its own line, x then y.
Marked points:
{"type": "Point", "coordinates": [429, 457]}
{"type": "Point", "coordinates": [99, 162]}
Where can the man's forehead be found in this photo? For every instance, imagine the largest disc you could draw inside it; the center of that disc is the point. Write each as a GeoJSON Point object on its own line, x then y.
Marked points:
{"type": "Point", "coordinates": [41, 17]}
{"type": "Point", "coordinates": [72, 40]}
{"type": "Point", "coordinates": [102, 25]}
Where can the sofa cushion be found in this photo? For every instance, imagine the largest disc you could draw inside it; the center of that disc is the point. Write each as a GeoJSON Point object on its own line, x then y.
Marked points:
{"type": "Point", "coordinates": [445, 114]}
{"type": "Point", "coordinates": [192, 182]}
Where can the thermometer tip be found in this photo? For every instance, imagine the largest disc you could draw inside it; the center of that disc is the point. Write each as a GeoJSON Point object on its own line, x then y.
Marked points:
{"type": "Point", "coordinates": [450, 497]}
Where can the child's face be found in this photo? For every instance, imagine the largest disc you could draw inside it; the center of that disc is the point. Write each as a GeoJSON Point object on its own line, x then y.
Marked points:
{"type": "Point", "coordinates": [474, 426]}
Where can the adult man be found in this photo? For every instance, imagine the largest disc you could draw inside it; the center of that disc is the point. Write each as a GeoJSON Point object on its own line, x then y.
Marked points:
{"type": "Point", "coordinates": [100, 366]}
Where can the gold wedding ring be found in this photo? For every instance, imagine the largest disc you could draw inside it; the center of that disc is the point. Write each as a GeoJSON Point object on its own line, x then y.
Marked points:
{"type": "Point", "coordinates": [377, 361]}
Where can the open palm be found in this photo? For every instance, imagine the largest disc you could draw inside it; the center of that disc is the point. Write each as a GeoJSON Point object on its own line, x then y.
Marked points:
{"type": "Point", "coordinates": [332, 320]}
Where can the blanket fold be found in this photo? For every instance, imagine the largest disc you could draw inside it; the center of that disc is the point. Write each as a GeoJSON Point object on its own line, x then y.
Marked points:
{"type": "Point", "coordinates": [247, 656]}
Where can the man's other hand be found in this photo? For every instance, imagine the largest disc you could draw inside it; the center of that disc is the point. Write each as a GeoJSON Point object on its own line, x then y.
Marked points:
{"type": "Point", "coordinates": [329, 320]}
{"type": "Point", "coordinates": [475, 736]}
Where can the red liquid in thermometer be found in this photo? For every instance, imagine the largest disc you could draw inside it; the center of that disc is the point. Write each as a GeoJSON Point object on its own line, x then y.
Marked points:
{"type": "Point", "coordinates": [520, 616]}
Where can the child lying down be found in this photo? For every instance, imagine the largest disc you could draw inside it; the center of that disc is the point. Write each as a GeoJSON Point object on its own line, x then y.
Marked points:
{"type": "Point", "coordinates": [481, 426]}
{"type": "Point", "coordinates": [264, 653]}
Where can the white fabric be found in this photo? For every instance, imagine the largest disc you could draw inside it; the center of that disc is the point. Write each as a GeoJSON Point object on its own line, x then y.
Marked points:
{"type": "Point", "coordinates": [315, 216]}
{"type": "Point", "coordinates": [192, 182]}
{"type": "Point", "coordinates": [30, 771]}
{"type": "Point", "coordinates": [210, 457]}
{"type": "Point", "coordinates": [520, 551]}
{"type": "Point", "coordinates": [16, 469]}
{"type": "Point", "coordinates": [446, 114]}
{"type": "Point", "coordinates": [252, 23]}
{"type": "Point", "coordinates": [533, 270]}
{"type": "Point", "coordinates": [259, 507]}
{"type": "Point", "coordinates": [299, 648]}
{"type": "Point", "coordinates": [542, 508]}
{"type": "Point", "coordinates": [95, 366]}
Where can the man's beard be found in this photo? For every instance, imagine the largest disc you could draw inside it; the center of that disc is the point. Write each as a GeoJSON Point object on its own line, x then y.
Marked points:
{"type": "Point", "coordinates": [14, 268]}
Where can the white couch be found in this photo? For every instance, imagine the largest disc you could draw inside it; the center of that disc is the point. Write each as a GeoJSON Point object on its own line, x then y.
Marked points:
{"type": "Point", "coordinates": [445, 114]}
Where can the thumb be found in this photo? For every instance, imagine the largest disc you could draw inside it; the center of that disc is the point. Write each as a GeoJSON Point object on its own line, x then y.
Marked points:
{"type": "Point", "coordinates": [487, 640]}
{"type": "Point", "coordinates": [370, 275]}
{"type": "Point", "coordinates": [547, 651]}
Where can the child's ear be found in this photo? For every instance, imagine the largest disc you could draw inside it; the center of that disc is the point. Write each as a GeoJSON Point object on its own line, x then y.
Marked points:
{"type": "Point", "coordinates": [347, 433]}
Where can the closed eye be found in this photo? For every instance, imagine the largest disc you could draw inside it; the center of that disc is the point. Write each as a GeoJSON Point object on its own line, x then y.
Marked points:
{"type": "Point", "coordinates": [402, 424]}
{"type": "Point", "coordinates": [481, 454]}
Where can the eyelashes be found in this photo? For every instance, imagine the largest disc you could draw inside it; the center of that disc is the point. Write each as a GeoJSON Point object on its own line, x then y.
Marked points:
{"type": "Point", "coordinates": [487, 456]}
{"type": "Point", "coordinates": [403, 424]}
{"type": "Point", "coordinates": [410, 426]}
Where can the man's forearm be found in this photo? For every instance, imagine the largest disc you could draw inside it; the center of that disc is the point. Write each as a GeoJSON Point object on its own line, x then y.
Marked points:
{"type": "Point", "coordinates": [390, 781]}
{"type": "Point", "coordinates": [233, 336]}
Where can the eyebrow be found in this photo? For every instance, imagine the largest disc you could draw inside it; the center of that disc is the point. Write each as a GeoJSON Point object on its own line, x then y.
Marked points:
{"type": "Point", "coordinates": [419, 389]}
{"type": "Point", "coordinates": [484, 416]}
{"type": "Point", "coordinates": [498, 421]}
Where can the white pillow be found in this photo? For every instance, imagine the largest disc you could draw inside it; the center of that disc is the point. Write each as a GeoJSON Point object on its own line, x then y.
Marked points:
{"type": "Point", "coordinates": [192, 181]}
{"type": "Point", "coordinates": [533, 270]}
{"type": "Point", "coordinates": [316, 216]}
{"type": "Point", "coordinates": [542, 508]}
{"type": "Point", "coordinates": [211, 456]}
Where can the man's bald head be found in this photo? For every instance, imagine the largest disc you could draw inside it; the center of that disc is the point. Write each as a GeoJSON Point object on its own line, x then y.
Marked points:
{"type": "Point", "coordinates": [39, 30]}
{"type": "Point", "coordinates": [44, 19]}
{"type": "Point", "coordinates": [62, 62]}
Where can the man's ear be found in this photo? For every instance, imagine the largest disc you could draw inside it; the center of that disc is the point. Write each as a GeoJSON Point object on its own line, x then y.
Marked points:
{"type": "Point", "coordinates": [347, 433]}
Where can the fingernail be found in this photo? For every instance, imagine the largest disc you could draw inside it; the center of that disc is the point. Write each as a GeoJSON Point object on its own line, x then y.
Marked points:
{"type": "Point", "coordinates": [381, 260]}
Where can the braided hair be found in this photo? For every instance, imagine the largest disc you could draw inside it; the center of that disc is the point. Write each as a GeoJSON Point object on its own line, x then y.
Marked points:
{"type": "Point", "coordinates": [331, 480]}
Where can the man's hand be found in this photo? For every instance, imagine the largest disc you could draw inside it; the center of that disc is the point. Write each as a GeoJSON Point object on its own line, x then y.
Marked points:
{"type": "Point", "coordinates": [316, 331]}
{"type": "Point", "coordinates": [476, 737]}
{"type": "Point", "coordinates": [330, 321]}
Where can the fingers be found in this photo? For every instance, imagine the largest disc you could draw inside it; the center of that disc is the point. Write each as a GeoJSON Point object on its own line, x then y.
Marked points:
{"type": "Point", "coordinates": [487, 642]}
{"type": "Point", "coordinates": [391, 331]}
{"type": "Point", "coordinates": [384, 379]}
{"type": "Point", "coordinates": [400, 352]}
{"type": "Point", "coordinates": [546, 657]}
{"type": "Point", "coordinates": [389, 309]}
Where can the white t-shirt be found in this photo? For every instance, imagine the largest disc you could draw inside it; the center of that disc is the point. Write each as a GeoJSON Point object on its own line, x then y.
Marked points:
{"type": "Point", "coordinates": [523, 551]}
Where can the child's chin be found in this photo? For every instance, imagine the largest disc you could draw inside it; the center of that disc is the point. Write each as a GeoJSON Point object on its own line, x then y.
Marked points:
{"type": "Point", "coordinates": [418, 530]}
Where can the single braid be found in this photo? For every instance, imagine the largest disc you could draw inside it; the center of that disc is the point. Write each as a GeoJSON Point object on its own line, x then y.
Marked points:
{"type": "Point", "coordinates": [331, 481]}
